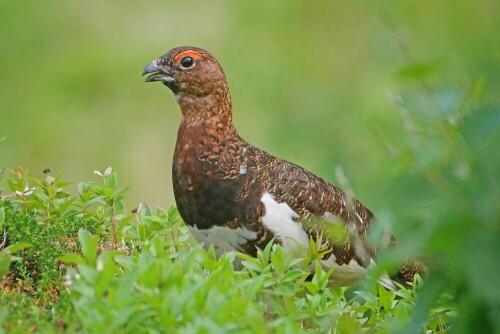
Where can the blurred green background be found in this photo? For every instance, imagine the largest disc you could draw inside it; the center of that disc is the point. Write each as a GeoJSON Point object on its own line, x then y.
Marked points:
{"type": "Point", "coordinates": [309, 80]}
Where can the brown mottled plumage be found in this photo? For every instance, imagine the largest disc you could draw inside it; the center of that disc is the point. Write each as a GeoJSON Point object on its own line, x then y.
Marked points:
{"type": "Point", "coordinates": [220, 180]}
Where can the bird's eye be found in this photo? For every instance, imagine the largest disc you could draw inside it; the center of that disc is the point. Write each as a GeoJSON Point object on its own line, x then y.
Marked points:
{"type": "Point", "coordinates": [187, 62]}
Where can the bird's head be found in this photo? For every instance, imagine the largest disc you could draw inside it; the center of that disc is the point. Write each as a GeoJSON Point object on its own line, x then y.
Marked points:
{"type": "Point", "coordinates": [187, 71]}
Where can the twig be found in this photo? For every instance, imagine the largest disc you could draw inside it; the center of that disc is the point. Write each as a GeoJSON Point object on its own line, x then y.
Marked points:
{"type": "Point", "coordinates": [4, 242]}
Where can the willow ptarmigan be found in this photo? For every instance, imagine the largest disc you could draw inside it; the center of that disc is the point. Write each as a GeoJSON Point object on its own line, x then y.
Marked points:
{"type": "Point", "coordinates": [237, 196]}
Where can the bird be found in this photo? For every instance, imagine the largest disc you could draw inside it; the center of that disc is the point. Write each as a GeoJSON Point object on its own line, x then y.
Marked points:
{"type": "Point", "coordinates": [238, 197]}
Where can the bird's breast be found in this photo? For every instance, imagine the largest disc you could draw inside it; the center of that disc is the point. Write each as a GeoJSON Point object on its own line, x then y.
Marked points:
{"type": "Point", "coordinates": [211, 187]}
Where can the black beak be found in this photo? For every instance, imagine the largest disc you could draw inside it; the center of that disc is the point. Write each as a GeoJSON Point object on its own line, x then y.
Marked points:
{"type": "Point", "coordinates": [157, 73]}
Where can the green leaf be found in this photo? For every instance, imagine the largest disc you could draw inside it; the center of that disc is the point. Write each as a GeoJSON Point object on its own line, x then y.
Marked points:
{"type": "Point", "coordinates": [482, 275]}
{"type": "Point", "coordinates": [88, 273]}
{"type": "Point", "coordinates": [418, 71]}
{"type": "Point", "coordinates": [36, 182]}
{"type": "Point", "coordinates": [68, 214]}
{"type": "Point", "coordinates": [145, 210]}
{"type": "Point", "coordinates": [18, 247]}
{"type": "Point", "coordinates": [58, 176]}
{"type": "Point", "coordinates": [5, 259]}
{"type": "Point", "coordinates": [173, 214]}
{"type": "Point", "coordinates": [119, 192]}
{"type": "Point", "coordinates": [481, 126]}
{"type": "Point", "coordinates": [89, 245]}
{"type": "Point", "coordinates": [125, 261]}
{"type": "Point", "coordinates": [82, 188]}
{"type": "Point", "coordinates": [285, 288]}
{"type": "Point", "coordinates": [277, 259]}
{"type": "Point", "coordinates": [368, 297]}
{"type": "Point", "coordinates": [93, 201]}
{"type": "Point", "coordinates": [294, 274]}
{"type": "Point", "coordinates": [2, 217]}
{"type": "Point", "coordinates": [252, 265]}
{"type": "Point", "coordinates": [65, 205]}
{"type": "Point", "coordinates": [159, 248]}
{"type": "Point", "coordinates": [111, 180]}
{"type": "Point", "coordinates": [433, 107]}
{"type": "Point", "coordinates": [72, 258]}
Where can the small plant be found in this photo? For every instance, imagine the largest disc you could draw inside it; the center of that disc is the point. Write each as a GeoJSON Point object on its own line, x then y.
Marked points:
{"type": "Point", "coordinates": [110, 196]}
{"type": "Point", "coordinates": [40, 222]}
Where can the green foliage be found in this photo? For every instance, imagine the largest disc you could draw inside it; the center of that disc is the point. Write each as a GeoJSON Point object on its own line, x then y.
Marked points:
{"type": "Point", "coordinates": [452, 212]}
{"type": "Point", "coordinates": [37, 228]}
{"type": "Point", "coordinates": [75, 277]}
{"type": "Point", "coordinates": [47, 240]}
{"type": "Point", "coordinates": [444, 194]}
{"type": "Point", "coordinates": [84, 263]}
{"type": "Point", "coordinates": [199, 293]}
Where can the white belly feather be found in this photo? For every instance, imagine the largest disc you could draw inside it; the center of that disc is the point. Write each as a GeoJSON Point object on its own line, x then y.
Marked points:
{"type": "Point", "coordinates": [279, 219]}
{"type": "Point", "coordinates": [224, 238]}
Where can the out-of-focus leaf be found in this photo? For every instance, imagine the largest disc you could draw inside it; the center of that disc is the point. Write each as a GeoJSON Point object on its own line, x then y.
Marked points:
{"type": "Point", "coordinates": [65, 205]}
{"type": "Point", "coordinates": [368, 297]}
{"type": "Point", "coordinates": [482, 125]}
{"type": "Point", "coordinates": [111, 180]}
{"type": "Point", "coordinates": [72, 258]}
{"type": "Point", "coordinates": [18, 247]}
{"type": "Point", "coordinates": [433, 105]}
{"type": "Point", "coordinates": [427, 297]}
{"type": "Point", "coordinates": [89, 245]}
{"type": "Point", "coordinates": [479, 254]}
{"type": "Point", "coordinates": [418, 71]}
{"type": "Point", "coordinates": [124, 261]}
{"type": "Point", "coordinates": [5, 259]}
{"type": "Point", "coordinates": [2, 217]}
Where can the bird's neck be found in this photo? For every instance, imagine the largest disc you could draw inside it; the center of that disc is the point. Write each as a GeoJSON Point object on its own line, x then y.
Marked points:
{"type": "Point", "coordinates": [214, 109]}
{"type": "Point", "coordinates": [205, 119]}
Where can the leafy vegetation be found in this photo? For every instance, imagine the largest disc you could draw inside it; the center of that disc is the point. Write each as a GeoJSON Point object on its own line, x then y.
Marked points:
{"type": "Point", "coordinates": [142, 275]}
{"type": "Point", "coordinates": [73, 258]}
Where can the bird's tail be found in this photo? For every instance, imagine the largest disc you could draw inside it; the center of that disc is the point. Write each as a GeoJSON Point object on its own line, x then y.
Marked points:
{"type": "Point", "coordinates": [408, 270]}
{"type": "Point", "coordinates": [404, 275]}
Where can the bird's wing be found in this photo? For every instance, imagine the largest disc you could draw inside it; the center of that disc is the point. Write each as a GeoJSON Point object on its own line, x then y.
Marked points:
{"type": "Point", "coordinates": [294, 195]}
